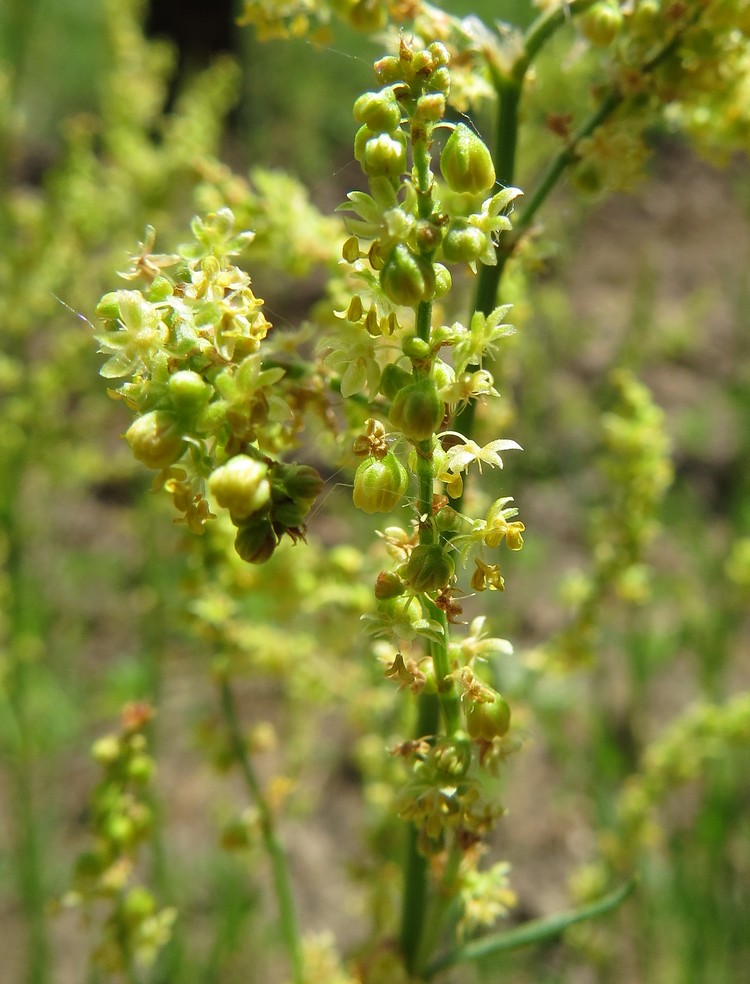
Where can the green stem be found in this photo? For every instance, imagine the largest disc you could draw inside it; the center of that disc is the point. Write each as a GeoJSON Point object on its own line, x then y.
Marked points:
{"type": "Point", "coordinates": [535, 931]}
{"type": "Point", "coordinates": [25, 618]}
{"type": "Point", "coordinates": [450, 704]}
{"type": "Point", "coordinates": [542, 30]}
{"type": "Point", "coordinates": [437, 910]}
{"type": "Point", "coordinates": [273, 847]}
{"type": "Point", "coordinates": [415, 864]}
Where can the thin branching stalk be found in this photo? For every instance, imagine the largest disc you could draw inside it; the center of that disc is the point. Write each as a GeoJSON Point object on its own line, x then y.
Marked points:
{"type": "Point", "coordinates": [535, 931]}
{"type": "Point", "coordinates": [276, 854]}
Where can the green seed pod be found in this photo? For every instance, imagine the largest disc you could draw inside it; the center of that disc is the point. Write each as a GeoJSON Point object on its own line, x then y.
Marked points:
{"type": "Point", "coordinates": [189, 392]}
{"type": "Point", "coordinates": [241, 486]}
{"type": "Point", "coordinates": [255, 542]}
{"type": "Point", "coordinates": [288, 514]}
{"type": "Point", "coordinates": [388, 585]}
{"type": "Point", "coordinates": [385, 155]}
{"type": "Point", "coordinates": [466, 162]}
{"type": "Point", "coordinates": [417, 410]}
{"type": "Point", "coordinates": [601, 24]}
{"type": "Point", "coordinates": [463, 243]}
{"type": "Point", "coordinates": [448, 520]}
{"type": "Point", "coordinates": [429, 567]}
{"type": "Point", "coordinates": [380, 484]}
{"type": "Point", "coordinates": [394, 378]}
{"type": "Point", "coordinates": [415, 348]}
{"type": "Point", "coordinates": [378, 110]}
{"type": "Point", "coordinates": [486, 720]}
{"type": "Point", "coordinates": [407, 279]}
{"type": "Point", "coordinates": [155, 439]}
{"type": "Point", "coordinates": [302, 482]}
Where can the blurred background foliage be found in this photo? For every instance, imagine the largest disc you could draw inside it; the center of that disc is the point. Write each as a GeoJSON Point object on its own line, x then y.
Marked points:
{"type": "Point", "coordinates": [102, 133]}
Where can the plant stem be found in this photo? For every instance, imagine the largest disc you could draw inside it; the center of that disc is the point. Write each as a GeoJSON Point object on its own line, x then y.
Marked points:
{"type": "Point", "coordinates": [437, 910]}
{"type": "Point", "coordinates": [25, 620]}
{"type": "Point", "coordinates": [273, 847]}
{"type": "Point", "coordinates": [415, 864]}
{"type": "Point", "coordinates": [534, 931]}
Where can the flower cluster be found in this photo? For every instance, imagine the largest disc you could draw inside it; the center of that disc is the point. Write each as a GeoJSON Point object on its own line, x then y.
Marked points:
{"type": "Point", "coordinates": [685, 63]}
{"type": "Point", "coordinates": [212, 413]}
{"type": "Point", "coordinates": [121, 819]}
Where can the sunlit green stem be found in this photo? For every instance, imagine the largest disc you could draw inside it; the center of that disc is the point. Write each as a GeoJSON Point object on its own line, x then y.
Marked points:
{"type": "Point", "coordinates": [277, 857]}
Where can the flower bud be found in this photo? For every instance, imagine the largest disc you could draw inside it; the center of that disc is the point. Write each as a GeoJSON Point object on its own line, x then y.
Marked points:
{"type": "Point", "coordinates": [241, 486]}
{"type": "Point", "coordinates": [486, 720]}
{"type": "Point", "coordinates": [363, 134]}
{"type": "Point", "coordinates": [407, 279]}
{"type": "Point", "coordinates": [431, 107]}
{"type": "Point", "coordinates": [108, 307]}
{"type": "Point", "coordinates": [368, 15]}
{"type": "Point", "coordinates": [385, 155]}
{"type": "Point", "coordinates": [416, 348]}
{"type": "Point", "coordinates": [448, 520]}
{"type": "Point", "coordinates": [440, 80]}
{"type": "Point", "coordinates": [256, 542]}
{"type": "Point", "coordinates": [379, 484]}
{"type": "Point", "coordinates": [388, 585]}
{"type": "Point", "coordinates": [155, 439]}
{"type": "Point", "coordinates": [159, 290]}
{"type": "Point", "coordinates": [387, 69]}
{"type": "Point", "coordinates": [429, 567]}
{"type": "Point", "coordinates": [189, 392]}
{"type": "Point", "coordinates": [394, 378]}
{"type": "Point", "coordinates": [137, 905]}
{"type": "Point", "coordinates": [452, 757]}
{"type": "Point", "coordinates": [466, 162]}
{"type": "Point", "coordinates": [301, 481]}
{"type": "Point", "coordinates": [463, 243]}
{"type": "Point", "coordinates": [288, 514]}
{"type": "Point", "coordinates": [378, 110]}
{"type": "Point", "coordinates": [601, 24]}
{"type": "Point", "coordinates": [443, 280]}
{"type": "Point", "coordinates": [440, 54]}
{"type": "Point", "coordinates": [417, 410]}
